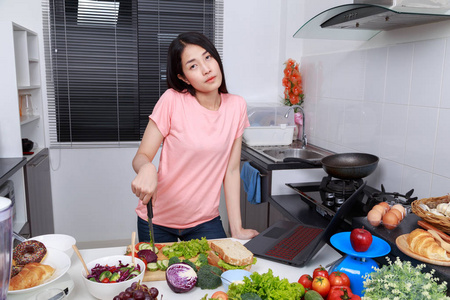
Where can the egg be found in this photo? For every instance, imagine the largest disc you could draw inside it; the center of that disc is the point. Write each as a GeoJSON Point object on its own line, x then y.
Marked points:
{"type": "Point", "coordinates": [380, 208]}
{"type": "Point", "coordinates": [385, 205]}
{"type": "Point", "coordinates": [400, 208]}
{"type": "Point", "coordinates": [374, 217]}
{"type": "Point", "coordinates": [390, 220]}
{"type": "Point", "coordinates": [397, 213]}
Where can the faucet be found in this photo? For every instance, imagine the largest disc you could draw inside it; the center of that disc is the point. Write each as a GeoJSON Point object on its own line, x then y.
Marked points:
{"type": "Point", "coordinates": [304, 139]}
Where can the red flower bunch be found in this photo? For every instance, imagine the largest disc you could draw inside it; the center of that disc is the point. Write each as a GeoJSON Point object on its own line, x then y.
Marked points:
{"type": "Point", "coordinates": [292, 82]}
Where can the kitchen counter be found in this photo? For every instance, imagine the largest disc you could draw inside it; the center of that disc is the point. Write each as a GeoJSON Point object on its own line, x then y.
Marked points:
{"type": "Point", "coordinates": [408, 224]}
{"type": "Point", "coordinates": [8, 166]}
{"type": "Point", "coordinates": [325, 256]}
{"type": "Point", "coordinates": [249, 153]}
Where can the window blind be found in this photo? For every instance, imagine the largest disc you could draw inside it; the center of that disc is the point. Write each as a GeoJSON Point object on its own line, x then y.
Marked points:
{"type": "Point", "coordinates": [106, 63]}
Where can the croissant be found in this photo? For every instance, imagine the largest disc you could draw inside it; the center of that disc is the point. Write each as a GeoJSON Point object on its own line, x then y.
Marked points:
{"type": "Point", "coordinates": [423, 243]}
{"type": "Point", "coordinates": [32, 274]}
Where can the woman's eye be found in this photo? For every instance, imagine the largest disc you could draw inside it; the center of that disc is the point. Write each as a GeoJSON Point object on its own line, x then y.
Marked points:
{"type": "Point", "coordinates": [208, 57]}
{"type": "Point", "coordinates": [192, 67]}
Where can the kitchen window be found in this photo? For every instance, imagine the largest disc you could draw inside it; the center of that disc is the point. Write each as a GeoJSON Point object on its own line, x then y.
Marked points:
{"type": "Point", "coordinates": [106, 63]}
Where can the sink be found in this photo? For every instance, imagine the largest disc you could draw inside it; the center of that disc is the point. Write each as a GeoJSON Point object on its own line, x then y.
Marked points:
{"type": "Point", "coordinates": [279, 153]}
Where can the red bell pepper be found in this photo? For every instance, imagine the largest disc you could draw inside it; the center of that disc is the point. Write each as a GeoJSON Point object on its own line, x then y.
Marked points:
{"type": "Point", "coordinates": [341, 292]}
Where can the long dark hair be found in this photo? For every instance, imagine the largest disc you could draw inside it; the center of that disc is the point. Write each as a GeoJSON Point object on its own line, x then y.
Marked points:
{"type": "Point", "coordinates": [174, 66]}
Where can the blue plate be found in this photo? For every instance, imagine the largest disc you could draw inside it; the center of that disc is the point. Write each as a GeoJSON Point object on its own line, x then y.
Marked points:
{"type": "Point", "coordinates": [341, 241]}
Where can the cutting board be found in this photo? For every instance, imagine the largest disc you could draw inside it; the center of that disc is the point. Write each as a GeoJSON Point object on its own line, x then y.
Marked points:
{"type": "Point", "coordinates": [403, 246]}
{"type": "Point", "coordinates": [160, 275]}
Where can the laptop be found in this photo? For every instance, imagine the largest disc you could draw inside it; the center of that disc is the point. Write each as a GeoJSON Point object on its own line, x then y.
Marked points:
{"type": "Point", "coordinates": [296, 244]}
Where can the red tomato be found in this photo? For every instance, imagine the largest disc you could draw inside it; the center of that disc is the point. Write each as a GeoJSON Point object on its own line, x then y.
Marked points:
{"type": "Point", "coordinates": [138, 244]}
{"type": "Point", "coordinates": [321, 285]}
{"type": "Point", "coordinates": [339, 278]}
{"type": "Point", "coordinates": [105, 280]}
{"type": "Point", "coordinates": [159, 246]}
{"type": "Point", "coordinates": [220, 295]}
{"type": "Point", "coordinates": [342, 292]}
{"type": "Point", "coordinates": [320, 271]}
{"type": "Point", "coordinates": [306, 280]}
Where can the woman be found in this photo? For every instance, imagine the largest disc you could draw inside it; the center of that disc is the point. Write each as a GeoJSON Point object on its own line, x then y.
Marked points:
{"type": "Point", "coordinates": [200, 126]}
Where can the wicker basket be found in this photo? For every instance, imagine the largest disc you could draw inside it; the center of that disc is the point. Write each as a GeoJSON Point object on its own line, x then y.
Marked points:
{"type": "Point", "coordinates": [440, 222]}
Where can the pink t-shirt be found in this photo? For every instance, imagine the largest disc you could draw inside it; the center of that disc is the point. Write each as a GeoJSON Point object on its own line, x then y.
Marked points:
{"type": "Point", "coordinates": [194, 157]}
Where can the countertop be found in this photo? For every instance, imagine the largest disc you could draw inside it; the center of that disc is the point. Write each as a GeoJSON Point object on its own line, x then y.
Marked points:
{"type": "Point", "coordinates": [325, 256]}
{"type": "Point", "coordinates": [249, 153]}
{"type": "Point", "coordinates": [9, 166]}
{"type": "Point", "coordinates": [408, 224]}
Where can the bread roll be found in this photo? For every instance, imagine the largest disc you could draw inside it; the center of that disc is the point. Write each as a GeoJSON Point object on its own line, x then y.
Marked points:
{"type": "Point", "coordinates": [32, 274]}
{"type": "Point", "coordinates": [423, 243]}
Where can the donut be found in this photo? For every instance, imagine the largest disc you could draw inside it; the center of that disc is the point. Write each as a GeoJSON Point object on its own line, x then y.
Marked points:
{"type": "Point", "coordinates": [15, 270]}
{"type": "Point", "coordinates": [29, 252]}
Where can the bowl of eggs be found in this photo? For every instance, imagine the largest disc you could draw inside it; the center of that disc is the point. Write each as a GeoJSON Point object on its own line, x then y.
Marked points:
{"type": "Point", "coordinates": [383, 213]}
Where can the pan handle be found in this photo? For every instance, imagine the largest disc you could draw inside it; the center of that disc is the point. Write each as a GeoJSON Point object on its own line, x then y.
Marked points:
{"type": "Point", "coordinates": [302, 160]}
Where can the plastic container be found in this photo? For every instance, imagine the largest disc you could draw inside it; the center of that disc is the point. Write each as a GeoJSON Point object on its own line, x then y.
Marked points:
{"type": "Point", "coordinates": [268, 125]}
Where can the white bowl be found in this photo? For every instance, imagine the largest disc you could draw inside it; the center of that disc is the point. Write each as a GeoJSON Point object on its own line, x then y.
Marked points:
{"type": "Point", "coordinates": [110, 290]}
{"type": "Point", "coordinates": [62, 242]}
{"type": "Point", "coordinates": [233, 276]}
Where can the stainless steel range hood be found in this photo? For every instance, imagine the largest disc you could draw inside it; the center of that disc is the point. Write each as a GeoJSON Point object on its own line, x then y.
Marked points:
{"type": "Point", "coordinates": [362, 21]}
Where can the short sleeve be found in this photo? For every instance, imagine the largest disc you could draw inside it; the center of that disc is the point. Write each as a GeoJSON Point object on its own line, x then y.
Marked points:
{"type": "Point", "coordinates": [243, 120]}
{"type": "Point", "coordinates": [162, 112]}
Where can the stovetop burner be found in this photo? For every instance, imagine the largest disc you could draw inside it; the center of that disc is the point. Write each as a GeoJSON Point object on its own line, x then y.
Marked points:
{"type": "Point", "coordinates": [326, 202]}
{"type": "Point", "coordinates": [334, 192]}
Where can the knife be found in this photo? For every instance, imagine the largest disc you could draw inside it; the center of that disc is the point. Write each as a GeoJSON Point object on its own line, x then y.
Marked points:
{"type": "Point", "coordinates": [60, 295]}
{"type": "Point", "coordinates": [150, 223]}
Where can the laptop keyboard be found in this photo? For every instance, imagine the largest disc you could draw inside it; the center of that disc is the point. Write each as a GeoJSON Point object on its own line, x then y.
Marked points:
{"type": "Point", "coordinates": [289, 247]}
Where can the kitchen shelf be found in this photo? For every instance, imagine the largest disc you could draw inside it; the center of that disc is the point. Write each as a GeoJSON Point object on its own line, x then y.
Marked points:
{"type": "Point", "coordinates": [364, 21]}
{"type": "Point", "coordinates": [28, 119]}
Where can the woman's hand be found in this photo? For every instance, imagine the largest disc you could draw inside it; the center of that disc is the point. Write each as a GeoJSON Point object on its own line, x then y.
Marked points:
{"type": "Point", "coordinates": [244, 234]}
{"type": "Point", "coordinates": [145, 183]}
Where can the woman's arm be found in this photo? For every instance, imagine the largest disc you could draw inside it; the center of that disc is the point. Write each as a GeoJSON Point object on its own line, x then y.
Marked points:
{"type": "Point", "coordinates": [231, 186]}
{"type": "Point", "coordinates": [145, 183]}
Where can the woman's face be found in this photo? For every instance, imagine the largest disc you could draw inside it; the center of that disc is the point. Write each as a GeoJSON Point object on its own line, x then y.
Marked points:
{"type": "Point", "coordinates": [200, 69]}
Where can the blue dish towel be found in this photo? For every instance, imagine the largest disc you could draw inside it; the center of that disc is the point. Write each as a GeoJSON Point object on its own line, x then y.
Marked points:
{"type": "Point", "coordinates": [252, 183]}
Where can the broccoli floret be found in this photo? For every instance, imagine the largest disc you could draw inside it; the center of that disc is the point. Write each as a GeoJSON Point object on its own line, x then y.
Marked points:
{"type": "Point", "coordinates": [187, 261]}
{"type": "Point", "coordinates": [206, 280]}
{"type": "Point", "coordinates": [202, 260]}
{"type": "Point", "coordinates": [174, 260]}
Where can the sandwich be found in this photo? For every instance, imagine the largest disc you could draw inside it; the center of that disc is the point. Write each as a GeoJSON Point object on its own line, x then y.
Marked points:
{"type": "Point", "coordinates": [230, 255]}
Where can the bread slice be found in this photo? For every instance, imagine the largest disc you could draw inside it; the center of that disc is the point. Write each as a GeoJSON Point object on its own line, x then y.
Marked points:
{"type": "Point", "coordinates": [213, 260]}
{"type": "Point", "coordinates": [424, 244]}
{"type": "Point", "coordinates": [32, 274]}
{"type": "Point", "coordinates": [232, 252]}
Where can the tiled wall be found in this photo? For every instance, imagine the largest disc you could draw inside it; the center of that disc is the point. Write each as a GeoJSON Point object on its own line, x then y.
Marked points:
{"type": "Point", "coordinates": [393, 102]}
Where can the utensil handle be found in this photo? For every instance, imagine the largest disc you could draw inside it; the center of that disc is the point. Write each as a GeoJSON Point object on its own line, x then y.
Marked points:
{"type": "Point", "coordinates": [133, 238]}
{"type": "Point", "coordinates": [75, 248]}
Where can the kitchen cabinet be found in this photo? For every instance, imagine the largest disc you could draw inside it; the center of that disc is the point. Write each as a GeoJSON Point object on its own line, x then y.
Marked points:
{"type": "Point", "coordinates": [21, 75]}
{"type": "Point", "coordinates": [38, 194]}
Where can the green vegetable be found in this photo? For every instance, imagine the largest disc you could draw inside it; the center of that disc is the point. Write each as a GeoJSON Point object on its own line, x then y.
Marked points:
{"type": "Point", "coordinates": [400, 280]}
{"type": "Point", "coordinates": [163, 264]}
{"type": "Point", "coordinates": [152, 266]}
{"type": "Point", "coordinates": [174, 260]}
{"type": "Point", "coordinates": [105, 274]}
{"type": "Point", "coordinates": [202, 260]}
{"type": "Point", "coordinates": [227, 266]}
{"type": "Point", "coordinates": [187, 249]}
{"type": "Point", "coordinates": [114, 277]}
{"type": "Point", "coordinates": [190, 263]}
{"type": "Point", "coordinates": [207, 280]}
{"type": "Point", "coordinates": [313, 295]}
{"type": "Point", "coordinates": [268, 287]}
{"type": "Point", "coordinates": [250, 296]}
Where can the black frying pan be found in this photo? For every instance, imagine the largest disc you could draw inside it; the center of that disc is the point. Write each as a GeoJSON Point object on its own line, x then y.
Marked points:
{"type": "Point", "coordinates": [350, 165]}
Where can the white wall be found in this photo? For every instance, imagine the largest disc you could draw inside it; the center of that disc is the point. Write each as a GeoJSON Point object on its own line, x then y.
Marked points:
{"type": "Point", "coordinates": [388, 96]}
